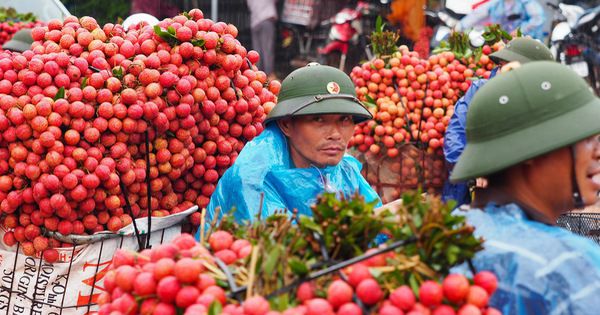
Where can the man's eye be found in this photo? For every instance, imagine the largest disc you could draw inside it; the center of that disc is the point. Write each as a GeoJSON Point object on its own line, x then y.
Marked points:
{"type": "Point", "coordinates": [317, 119]}
{"type": "Point", "coordinates": [347, 119]}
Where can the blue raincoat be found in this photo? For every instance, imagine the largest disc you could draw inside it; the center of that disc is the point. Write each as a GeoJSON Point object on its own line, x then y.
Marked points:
{"type": "Point", "coordinates": [528, 15]}
{"type": "Point", "coordinates": [455, 141]}
{"type": "Point", "coordinates": [265, 167]}
{"type": "Point", "coordinates": [542, 269]}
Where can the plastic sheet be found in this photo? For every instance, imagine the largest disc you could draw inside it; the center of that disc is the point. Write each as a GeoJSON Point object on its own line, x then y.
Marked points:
{"type": "Point", "coordinates": [542, 269]}
{"type": "Point", "coordinates": [264, 167]}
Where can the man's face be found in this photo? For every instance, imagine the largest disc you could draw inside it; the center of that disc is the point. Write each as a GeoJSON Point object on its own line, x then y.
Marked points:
{"type": "Point", "coordinates": [318, 140]}
{"type": "Point", "coordinates": [587, 165]}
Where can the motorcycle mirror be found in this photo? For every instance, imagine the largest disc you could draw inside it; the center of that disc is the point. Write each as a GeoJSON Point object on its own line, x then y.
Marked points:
{"type": "Point", "coordinates": [476, 38]}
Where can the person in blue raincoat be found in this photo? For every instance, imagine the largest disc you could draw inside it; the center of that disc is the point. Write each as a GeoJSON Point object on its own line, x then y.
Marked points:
{"type": "Point", "coordinates": [528, 15]}
{"type": "Point", "coordinates": [520, 50]}
{"type": "Point", "coordinates": [533, 132]}
{"type": "Point", "coordinates": [302, 151]}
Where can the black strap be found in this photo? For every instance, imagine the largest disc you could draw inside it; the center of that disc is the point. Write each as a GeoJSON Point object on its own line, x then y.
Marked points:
{"type": "Point", "coordinates": [577, 198]}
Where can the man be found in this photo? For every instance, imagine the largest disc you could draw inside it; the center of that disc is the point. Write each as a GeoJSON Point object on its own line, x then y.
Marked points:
{"type": "Point", "coordinates": [528, 15]}
{"type": "Point", "coordinates": [263, 15]}
{"type": "Point", "coordinates": [533, 133]}
{"type": "Point", "coordinates": [301, 152]}
{"type": "Point", "coordinates": [520, 50]}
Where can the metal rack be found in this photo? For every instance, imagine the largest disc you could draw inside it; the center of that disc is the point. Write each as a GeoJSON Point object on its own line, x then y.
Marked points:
{"type": "Point", "coordinates": [586, 224]}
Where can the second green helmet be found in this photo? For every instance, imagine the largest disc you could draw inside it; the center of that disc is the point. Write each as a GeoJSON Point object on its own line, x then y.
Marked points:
{"type": "Point", "coordinates": [523, 50]}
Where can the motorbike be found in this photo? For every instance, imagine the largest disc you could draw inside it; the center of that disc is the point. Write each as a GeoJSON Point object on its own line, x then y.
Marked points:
{"type": "Point", "coordinates": [305, 38]}
{"type": "Point", "coordinates": [346, 28]}
{"type": "Point", "coordinates": [575, 40]}
{"type": "Point", "coordinates": [444, 20]}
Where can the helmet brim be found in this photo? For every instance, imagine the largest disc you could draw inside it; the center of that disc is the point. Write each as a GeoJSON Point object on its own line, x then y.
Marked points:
{"type": "Point", "coordinates": [16, 46]}
{"type": "Point", "coordinates": [297, 107]}
{"type": "Point", "coordinates": [508, 56]}
{"type": "Point", "coordinates": [494, 155]}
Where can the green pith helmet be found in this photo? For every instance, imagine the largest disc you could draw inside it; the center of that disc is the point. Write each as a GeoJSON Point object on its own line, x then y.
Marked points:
{"type": "Point", "coordinates": [523, 49]}
{"type": "Point", "coordinates": [317, 90]}
{"type": "Point", "coordinates": [527, 112]}
{"type": "Point", "coordinates": [20, 42]}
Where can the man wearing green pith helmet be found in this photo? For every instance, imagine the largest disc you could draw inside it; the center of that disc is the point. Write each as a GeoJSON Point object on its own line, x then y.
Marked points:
{"type": "Point", "coordinates": [520, 50]}
{"type": "Point", "coordinates": [533, 133]}
{"type": "Point", "coordinates": [302, 151]}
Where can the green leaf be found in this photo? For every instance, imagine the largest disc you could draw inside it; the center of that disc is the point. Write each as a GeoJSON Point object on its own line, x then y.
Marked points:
{"type": "Point", "coordinates": [468, 53]}
{"type": "Point", "coordinates": [298, 267]}
{"type": "Point", "coordinates": [272, 259]}
{"type": "Point", "coordinates": [412, 282]}
{"type": "Point", "coordinates": [519, 33]}
{"type": "Point", "coordinates": [187, 15]}
{"type": "Point", "coordinates": [118, 72]}
{"type": "Point", "coordinates": [370, 99]}
{"type": "Point", "coordinates": [198, 42]}
{"type": "Point", "coordinates": [171, 30]}
{"type": "Point", "coordinates": [166, 36]}
{"type": "Point", "coordinates": [379, 24]}
{"type": "Point", "coordinates": [60, 93]}
{"type": "Point", "coordinates": [280, 303]}
{"type": "Point", "coordinates": [222, 283]}
{"type": "Point", "coordinates": [84, 83]}
{"type": "Point", "coordinates": [452, 254]}
{"type": "Point", "coordinates": [310, 224]}
{"type": "Point", "coordinates": [157, 30]}
{"type": "Point", "coordinates": [375, 273]}
{"type": "Point", "coordinates": [215, 308]}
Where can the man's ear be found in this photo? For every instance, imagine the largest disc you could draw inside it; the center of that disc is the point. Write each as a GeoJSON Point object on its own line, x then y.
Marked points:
{"type": "Point", "coordinates": [286, 126]}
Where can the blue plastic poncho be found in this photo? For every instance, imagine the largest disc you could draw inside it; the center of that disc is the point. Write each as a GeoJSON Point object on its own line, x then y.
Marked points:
{"type": "Point", "coordinates": [542, 269]}
{"type": "Point", "coordinates": [265, 166]}
{"type": "Point", "coordinates": [528, 15]}
{"type": "Point", "coordinates": [455, 140]}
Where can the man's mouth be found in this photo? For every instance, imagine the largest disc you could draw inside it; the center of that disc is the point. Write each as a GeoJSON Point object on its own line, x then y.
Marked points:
{"type": "Point", "coordinates": [332, 150]}
{"type": "Point", "coordinates": [594, 175]}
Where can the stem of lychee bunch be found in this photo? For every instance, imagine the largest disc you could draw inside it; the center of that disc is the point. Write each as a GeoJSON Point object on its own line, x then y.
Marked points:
{"type": "Point", "coordinates": [213, 223]}
{"type": "Point", "coordinates": [148, 188]}
{"type": "Point", "coordinates": [253, 261]}
{"type": "Point", "coordinates": [128, 208]}
{"type": "Point", "coordinates": [202, 223]}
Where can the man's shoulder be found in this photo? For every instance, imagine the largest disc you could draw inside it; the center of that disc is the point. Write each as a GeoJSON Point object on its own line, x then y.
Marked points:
{"type": "Point", "coordinates": [527, 239]}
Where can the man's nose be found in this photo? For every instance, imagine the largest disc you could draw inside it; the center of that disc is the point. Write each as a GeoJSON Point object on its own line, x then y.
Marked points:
{"type": "Point", "coordinates": [335, 132]}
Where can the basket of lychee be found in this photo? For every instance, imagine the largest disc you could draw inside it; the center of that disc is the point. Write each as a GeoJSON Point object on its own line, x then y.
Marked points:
{"type": "Point", "coordinates": [299, 265]}
{"type": "Point", "coordinates": [179, 278]}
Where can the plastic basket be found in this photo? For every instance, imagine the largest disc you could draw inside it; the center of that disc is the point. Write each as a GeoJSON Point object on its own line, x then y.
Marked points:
{"type": "Point", "coordinates": [300, 12]}
{"type": "Point", "coordinates": [586, 224]}
{"type": "Point", "coordinates": [73, 284]}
